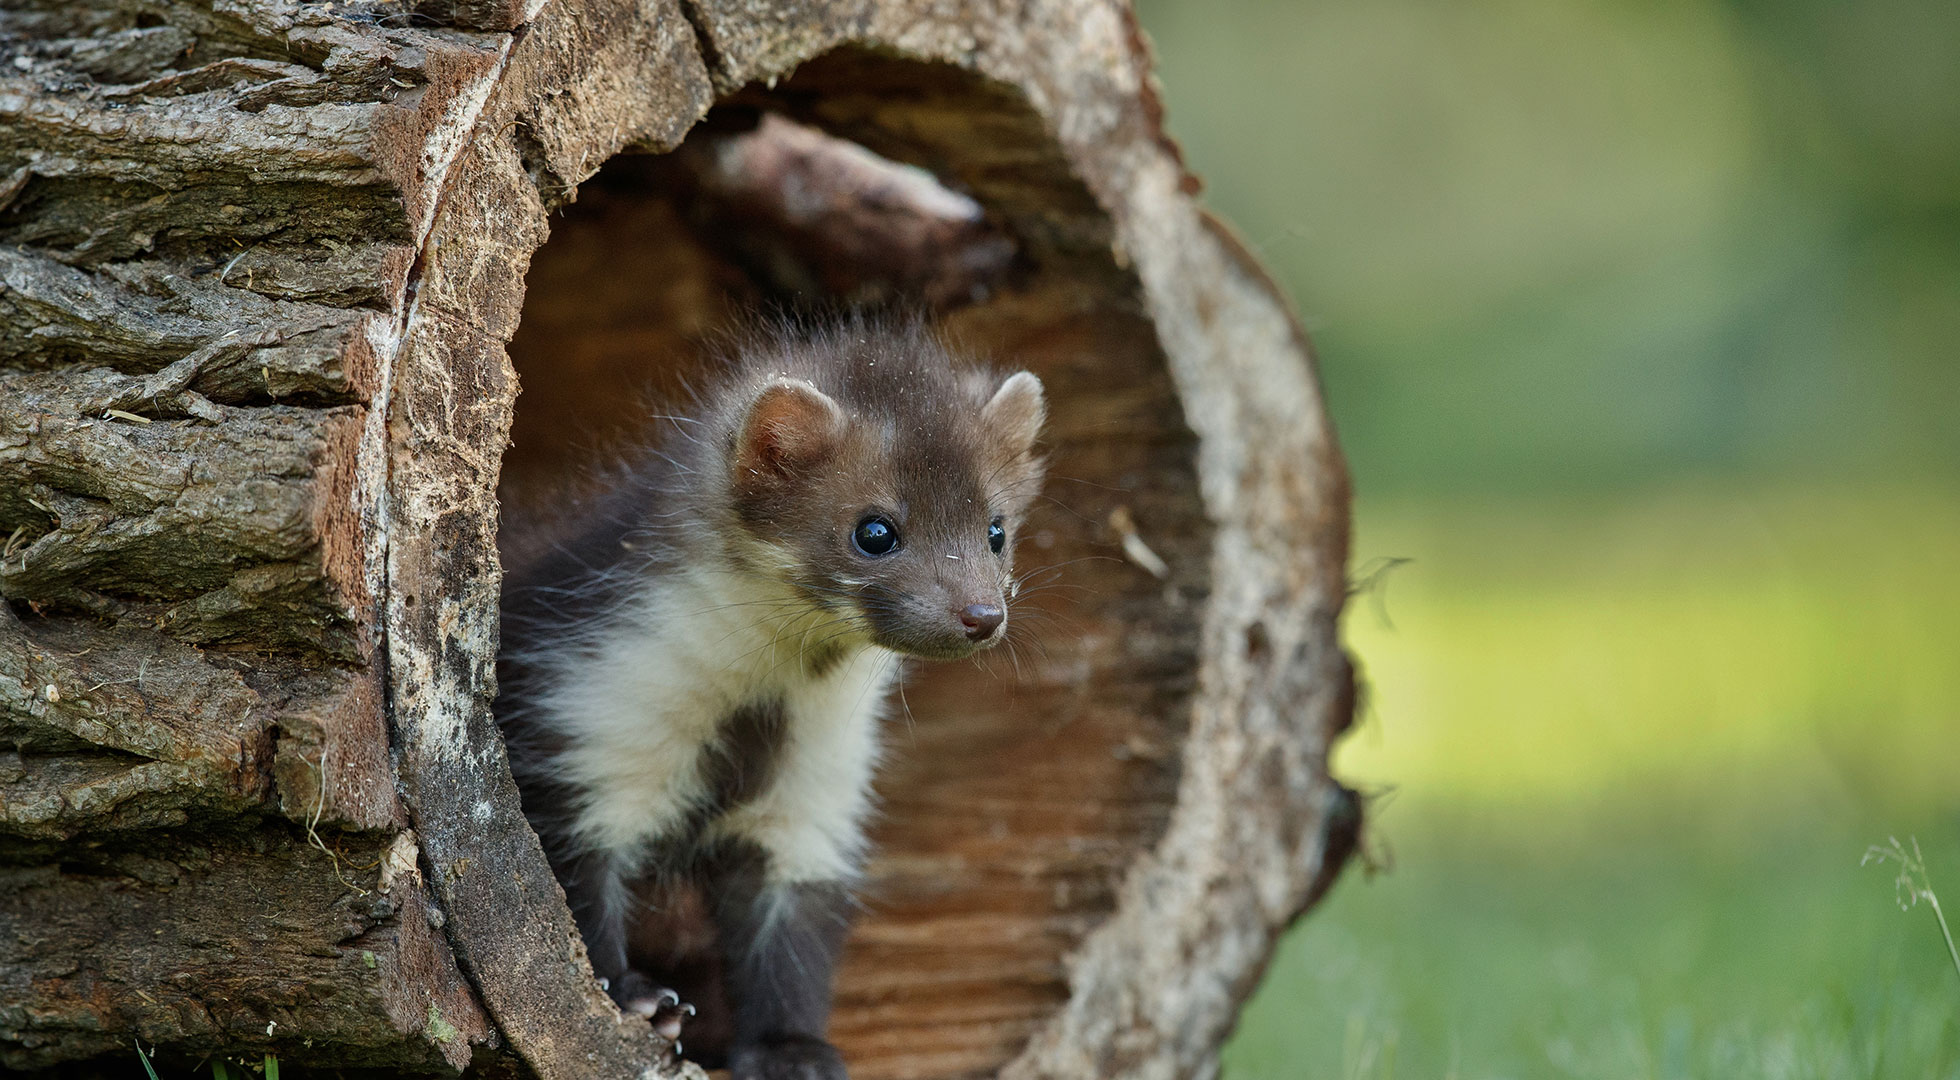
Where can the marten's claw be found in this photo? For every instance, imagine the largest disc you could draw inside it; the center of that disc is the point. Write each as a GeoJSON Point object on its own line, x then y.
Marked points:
{"type": "Point", "coordinates": [651, 1001]}
{"type": "Point", "coordinates": [667, 1024]}
{"type": "Point", "coordinates": [664, 1009]}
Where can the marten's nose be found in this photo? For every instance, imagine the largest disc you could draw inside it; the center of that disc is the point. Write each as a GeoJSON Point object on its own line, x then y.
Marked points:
{"type": "Point", "coordinates": [981, 620]}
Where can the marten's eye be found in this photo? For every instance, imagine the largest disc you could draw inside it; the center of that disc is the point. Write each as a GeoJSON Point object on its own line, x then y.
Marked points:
{"type": "Point", "coordinates": [875, 536]}
{"type": "Point", "coordinates": [996, 536]}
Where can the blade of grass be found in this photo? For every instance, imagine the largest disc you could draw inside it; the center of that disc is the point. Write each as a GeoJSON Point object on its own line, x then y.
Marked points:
{"type": "Point", "coordinates": [271, 1067]}
{"type": "Point", "coordinates": [1939, 914]}
{"type": "Point", "coordinates": [145, 1059]}
{"type": "Point", "coordinates": [1913, 885]}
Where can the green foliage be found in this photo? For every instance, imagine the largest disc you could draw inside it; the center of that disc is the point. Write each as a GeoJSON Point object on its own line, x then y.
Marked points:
{"type": "Point", "coordinates": [1556, 245]}
{"type": "Point", "coordinates": [1637, 747]}
{"type": "Point", "coordinates": [1648, 959]}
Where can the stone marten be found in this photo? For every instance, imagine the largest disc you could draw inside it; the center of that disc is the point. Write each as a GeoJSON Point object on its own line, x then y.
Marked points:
{"type": "Point", "coordinates": [691, 685]}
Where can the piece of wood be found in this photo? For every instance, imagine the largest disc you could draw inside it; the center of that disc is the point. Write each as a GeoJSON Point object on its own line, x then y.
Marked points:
{"type": "Point", "coordinates": [264, 314]}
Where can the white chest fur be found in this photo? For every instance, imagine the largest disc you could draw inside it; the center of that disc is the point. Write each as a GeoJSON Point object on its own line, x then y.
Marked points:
{"type": "Point", "coordinates": [642, 697]}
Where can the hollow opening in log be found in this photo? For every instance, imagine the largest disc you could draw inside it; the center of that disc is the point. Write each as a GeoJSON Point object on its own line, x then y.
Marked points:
{"type": "Point", "coordinates": [1018, 790]}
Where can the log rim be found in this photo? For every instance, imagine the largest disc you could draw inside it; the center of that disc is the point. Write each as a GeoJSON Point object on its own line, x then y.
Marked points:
{"type": "Point", "coordinates": [1278, 646]}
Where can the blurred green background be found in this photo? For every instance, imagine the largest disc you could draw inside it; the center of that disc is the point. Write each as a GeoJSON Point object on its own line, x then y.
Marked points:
{"type": "Point", "coordinates": [1641, 325]}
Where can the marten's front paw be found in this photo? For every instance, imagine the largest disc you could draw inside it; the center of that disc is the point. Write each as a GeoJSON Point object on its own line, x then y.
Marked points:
{"type": "Point", "coordinates": [791, 1057]}
{"type": "Point", "coordinates": [638, 995]}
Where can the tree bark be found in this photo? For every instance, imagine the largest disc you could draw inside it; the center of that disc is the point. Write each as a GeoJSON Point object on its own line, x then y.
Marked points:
{"type": "Point", "coordinates": [260, 349]}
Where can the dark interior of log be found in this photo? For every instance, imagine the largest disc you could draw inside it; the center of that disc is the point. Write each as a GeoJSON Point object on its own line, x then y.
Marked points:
{"type": "Point", "coordinates": [1017, 789]}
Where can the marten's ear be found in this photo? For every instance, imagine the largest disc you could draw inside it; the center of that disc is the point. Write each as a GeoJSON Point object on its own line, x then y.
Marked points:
{"type": "Point", "coordinates": [790, 426]}
{"type": "Point", "coordinates": [1014, 415]}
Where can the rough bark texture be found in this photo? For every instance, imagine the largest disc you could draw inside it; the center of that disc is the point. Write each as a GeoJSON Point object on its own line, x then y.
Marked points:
{"type": "Point", "coordinates": [263, 269]}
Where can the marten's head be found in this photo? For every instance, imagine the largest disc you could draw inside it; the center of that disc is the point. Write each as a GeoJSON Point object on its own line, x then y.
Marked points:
{"type": "Point", "coordinates": [885, 483]}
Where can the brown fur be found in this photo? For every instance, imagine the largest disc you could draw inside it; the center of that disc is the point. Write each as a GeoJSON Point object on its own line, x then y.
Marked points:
{"type": "Point", "coordinates": [812, 430]}
{"type": "Point", "coordinates": [864, 419]}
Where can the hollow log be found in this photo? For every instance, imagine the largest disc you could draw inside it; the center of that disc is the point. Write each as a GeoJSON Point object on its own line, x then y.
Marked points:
{"type": "Point", "coordinates": [273, 273]}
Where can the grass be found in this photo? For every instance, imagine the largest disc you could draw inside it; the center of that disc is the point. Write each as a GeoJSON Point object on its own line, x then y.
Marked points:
{"type": "Point", "coordinates": [1638, 749]}
{"type": "Point", "coordinates": [1914, 885]}
{"type": "Point", "coordinates": [219, 1070]}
